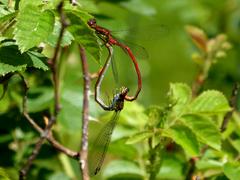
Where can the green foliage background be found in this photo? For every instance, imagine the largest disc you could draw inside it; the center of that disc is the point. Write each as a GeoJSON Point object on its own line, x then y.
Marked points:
{"type": "Point", "coordinates": [158, 26]}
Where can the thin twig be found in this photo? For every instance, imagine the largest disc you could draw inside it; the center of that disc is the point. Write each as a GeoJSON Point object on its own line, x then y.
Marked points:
{"type": "Point", "coordinates": [233, 104]}
{"type": "Point", "coordinates": [54, 67]}
{"type": "Point", "coordinates": [85, 116]}
{"type": "Point", "coordinates": [49, 137]}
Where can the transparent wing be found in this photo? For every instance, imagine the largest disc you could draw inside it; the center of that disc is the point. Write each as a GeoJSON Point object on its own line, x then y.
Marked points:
{"type": "Point", "coordinates": [98, 151]}
{"type": "Point", "coordinates": [148, 32]}
{"type": "Point", "coordinates": [115, 70]}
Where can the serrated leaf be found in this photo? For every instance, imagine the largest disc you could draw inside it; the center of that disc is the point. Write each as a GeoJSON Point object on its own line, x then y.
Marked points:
{"type": "Point", "coordinates": [183, 136]}
{"type": "Point", "coordinates": [29, 31]}
{"type": "Point", "coordinates": [204, 129]}
{"type": "Point", "coordinates": [232, 170]}
{"type": "Point", "coordinates": [210, 102]}
{"type": "Point", "coordinates": [139, 137]}
{"type": "Point", "coordinates": [38, 60]}
{"type": "Point", "coordinates": [181, 95]}
{"type": "Point", "coordinates": [120, 167]}
{"type": "Point", "coordinates": [12, 60]}
{"type": "Point", "coordinates": [53, 37]}
{"type": "Point", "coordinates": [82, 34]}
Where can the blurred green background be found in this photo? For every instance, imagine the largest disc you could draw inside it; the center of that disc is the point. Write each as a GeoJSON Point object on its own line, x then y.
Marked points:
{"type": "Point", "coordinates": [159, 28]}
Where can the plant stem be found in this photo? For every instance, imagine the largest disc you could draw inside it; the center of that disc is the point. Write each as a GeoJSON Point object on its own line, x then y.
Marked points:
{"type": "Point", "coordinates": [154, 159]}
{"type": "Point", "coordinates": [85, 116]}
{"type": "Point", "coordinates": [233, 104]}
{"type": "Point", "coordinates": [201, 77]}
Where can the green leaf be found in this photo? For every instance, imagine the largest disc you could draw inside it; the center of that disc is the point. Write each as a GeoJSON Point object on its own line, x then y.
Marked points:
{"type": "Point", "coordinates": [120, 149]}
{"type": "Point", "coordinates": [139, 137]}
{"type": "Point", "coordinates": [120, 167]}
{"type": "Point", "coordinates": [181, 95]}
{"type": "Point", "coordinates": [32, 27]}
{"type": "Point", "coordinates": [204, 164]}
{"type": "Point", "coordinates": [83, 34]}
{"type": "Point", "coordinates": [7, 17]}
{"type": "Point", "coordinates": [53, 37]}
{"type": "Point", "coordinates": [38, 60]}
{"type": "Point", "coordinates": [24, 3]}
{"type": "Point", "coordinates": [183, 136]}
{"type": "Point", "coordinates": [232, 170]}
{"type": "Point", "coordinates": [171, 168]}
{"type": "Point", "coordinates": [59, 176]}
{"type": "Point", "coordinates": [210, 102]}
{"type": "Point", "coordinates": [3, 174]}
{"type": "Point", "coordinates": [12, 60]}
{"type": "Point", "coordinates": [204, 129]}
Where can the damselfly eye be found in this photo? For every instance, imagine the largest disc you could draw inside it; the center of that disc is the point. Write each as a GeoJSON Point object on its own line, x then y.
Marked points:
{"type": "Point", "coordinates": [92, 22]}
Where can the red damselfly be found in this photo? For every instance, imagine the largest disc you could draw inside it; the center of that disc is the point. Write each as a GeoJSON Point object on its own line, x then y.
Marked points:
{"type": "Point", "coordinates": [105, 35]}
{"type": "Point", "coordinates": [98, 151]}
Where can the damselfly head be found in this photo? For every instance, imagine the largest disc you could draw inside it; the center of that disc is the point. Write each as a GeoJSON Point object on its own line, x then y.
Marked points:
{"type": "Point", "coordinates": [92, 22]}
{"type": "Point", "coordinates": [124, 91]}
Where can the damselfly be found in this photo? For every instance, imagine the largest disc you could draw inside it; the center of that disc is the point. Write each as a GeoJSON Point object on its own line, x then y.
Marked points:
{"type": "Point", "coordinates": [98, 151]}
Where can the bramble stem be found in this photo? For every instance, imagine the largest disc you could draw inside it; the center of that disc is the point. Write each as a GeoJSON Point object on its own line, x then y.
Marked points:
{"type": "Point", "coordinates": [83, 160]}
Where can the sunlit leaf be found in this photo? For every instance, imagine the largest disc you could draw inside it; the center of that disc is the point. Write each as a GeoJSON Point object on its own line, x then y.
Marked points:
{"type": "Point", "coordinates": [29, 31]}
{"type": "Point", "coordinates": [53, 37]}
{"type": "Point", "coordinates": [210, 102]}
{"type": "Point", "coordinates": [232, 170]}
{"type": "Point", "coordinates": [24, 3]}
{"type": "Point", "coordinates": [184, 137]}
{"type": "Point", "coordinates": [204, 129]}
{"type": "Point", "coordinates": [181, 95]}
